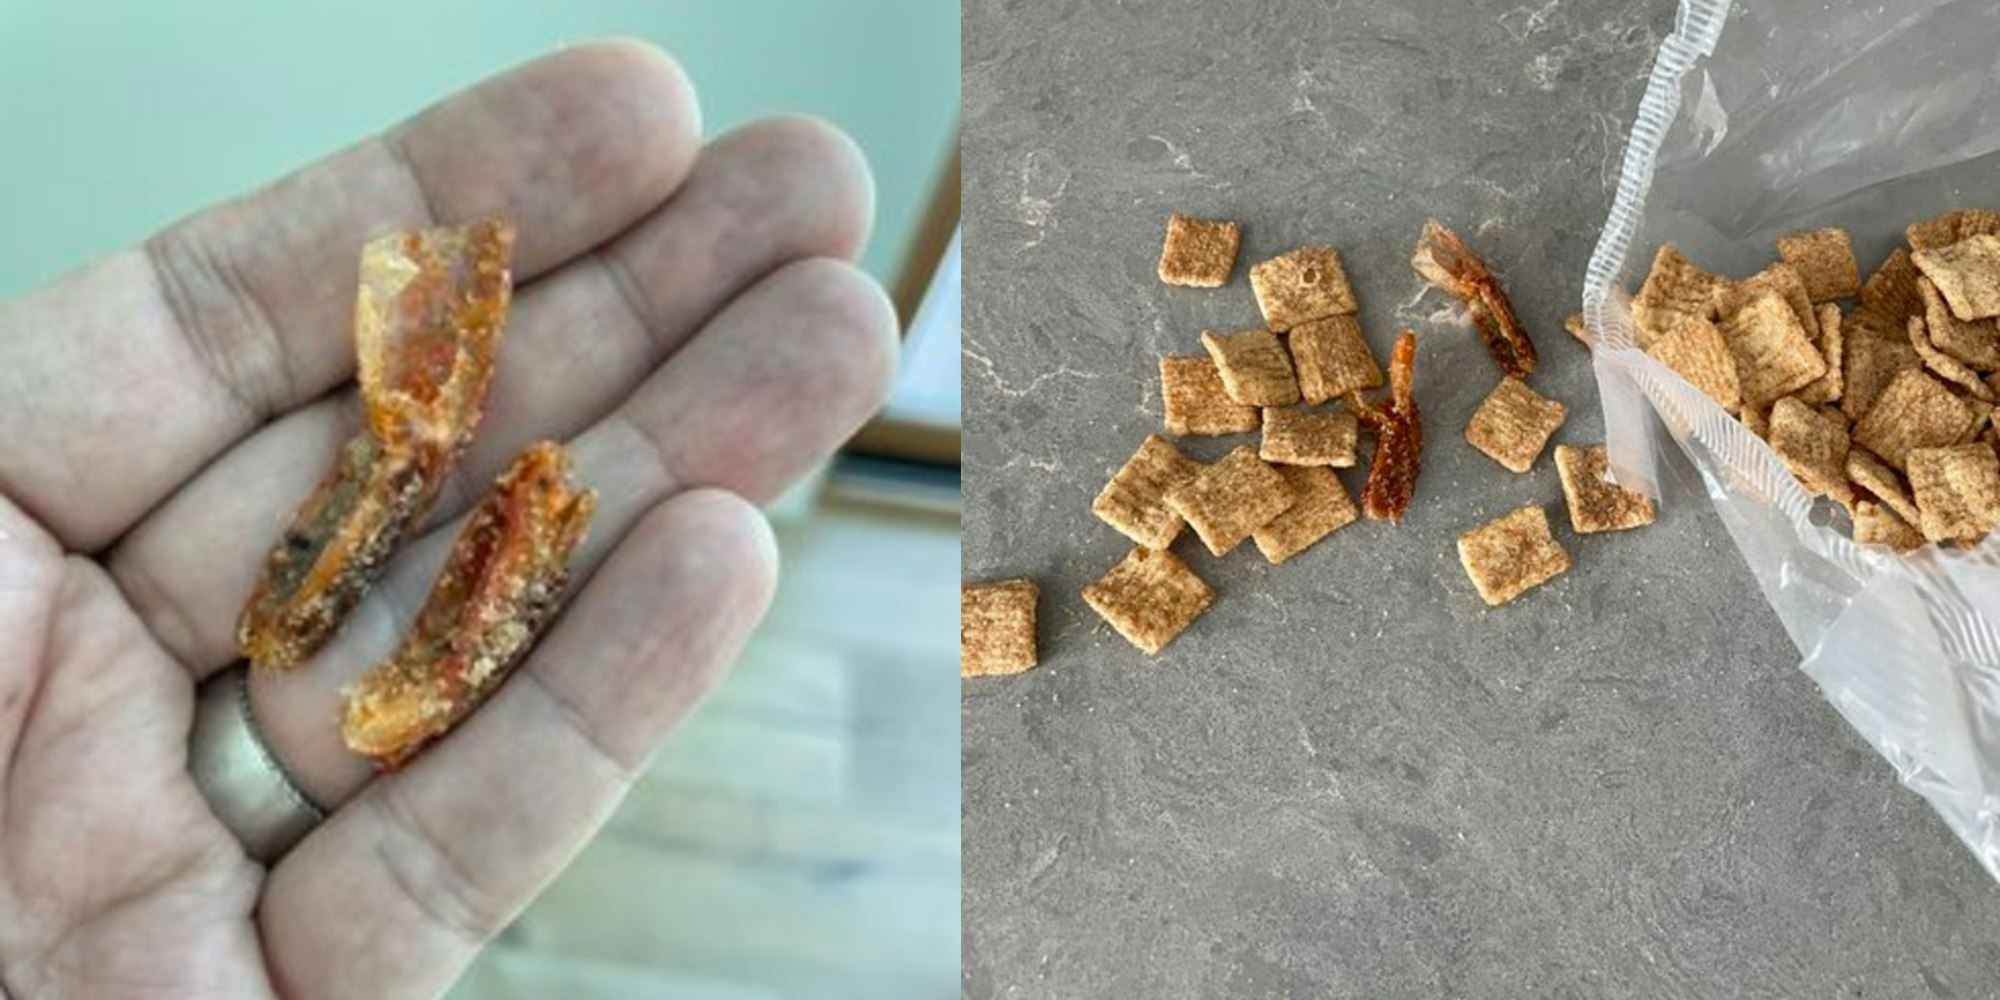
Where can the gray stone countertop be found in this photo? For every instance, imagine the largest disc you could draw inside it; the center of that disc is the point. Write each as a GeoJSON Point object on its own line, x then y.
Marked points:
{"type": "Point", "coordinates": [1350, 778]}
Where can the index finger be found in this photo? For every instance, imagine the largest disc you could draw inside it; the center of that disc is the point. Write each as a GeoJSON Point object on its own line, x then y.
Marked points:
{"type": "Point", "coordinates": [125, 377]}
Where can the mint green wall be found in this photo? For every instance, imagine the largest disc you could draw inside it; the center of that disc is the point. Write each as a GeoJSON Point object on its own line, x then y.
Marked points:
{"type": "Point", "coordinates": [116, 118]}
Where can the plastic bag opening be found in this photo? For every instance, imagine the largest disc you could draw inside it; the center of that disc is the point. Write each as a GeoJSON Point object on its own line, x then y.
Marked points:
{"type": "Point", "coordinates": [1765, 120]}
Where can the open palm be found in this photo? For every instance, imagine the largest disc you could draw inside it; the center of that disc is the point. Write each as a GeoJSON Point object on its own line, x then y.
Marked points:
{"type": "Point", "coordinates": [685, 318]}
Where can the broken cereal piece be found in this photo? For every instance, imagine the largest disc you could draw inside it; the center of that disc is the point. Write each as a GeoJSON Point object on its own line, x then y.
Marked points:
{"type": "Point", "coordinates": [1256, 369]}
{"type": "Point", "coordinates": [1303, 285]}
{"type": "Point", "coordinates": [1512, 554]}
{"type": "Point", "coordinates": [1914, 411]}
{"type": "Point", "coordinates": [1781, 279]}
{"type": "Point", "coordinates": [1399, 437]}
{"type": "Point", "coordinates": [1944, 365]}
{"type": "Point", "coordinates": [1514, 424]}
{"type": "Point", "coordinates": [1832, 347]}
{"type": "Point", "coordinates": [1974, 342]}
{"type": "Point", "coordinates": [1696, 352]}
{"type": "Point", "coordinates": [1196, 402]}
{"type": "Point", "coordinates": [996, 627]}
{"type": "Point", "coordinates": [427, 325]}
{"type": "Point", "coordinates": [1877, 525]}
{"type": "Point", "coordinates": [1150, 598]}
{"type": "Point", "coordinates": [1877, 478]}
{"type": "Point", "coordinates": [1574, 326]}
{"type": "Point", "coordinates": [1227, 501]}
{"type": "Point", "coordinates": [1824, 260]}
{"type": "Point", "coordinates": [1299, 437]}
{"type": "Point", "coordinates": [1595, 502]}
{"type": "Point", "coordinates": [1958, 491]}
{"type": "Point", "coordinates": [1323, 507]}
{"type": "Point", "coordinates": [1967, 273]}
{"type": "Point", "coordinates": [503, 580]}
{"type": "Point", "coordinates": [1952, 227]}
{"type": "Point", "coordinates": [1774, 355]}
{"type": "Point", "coordinates": [1135, 500]}
{"type": "Point", "coordinates": [1199, 253]}
{"type": "Point", "coordinates": [1813, 444]}
{"type": "Point", "coordinates": [1444, 260]}
{"type": "Point", "coordinates": [1332, 358]}
{"type": "Point", "coordinates": [1870, 362]}
{"type": "Point", "coordinates": [1675, 290]}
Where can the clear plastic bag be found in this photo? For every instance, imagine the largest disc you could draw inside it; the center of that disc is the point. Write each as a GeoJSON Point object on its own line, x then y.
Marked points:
{"type": "Point", "coordinates": [1765, 118]}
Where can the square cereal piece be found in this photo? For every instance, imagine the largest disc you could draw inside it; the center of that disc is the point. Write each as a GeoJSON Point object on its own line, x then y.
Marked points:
{"type": "Point", "coordinates": [1876, 478]}
{"type": "Point", "coordinates": [1256, 369]}
{"type": "Point", "coordinates": [996, 627]}
{"type": "Point", "coordinates": [1512, 554]}
{"type": "Point", "coordinates": [1196, 402]}
{"type": "Point", "coordinates": [1914, 411]}
{"type": "Point", "coordinates": [1774, 355]}
{"type": "Point", "coordinates": [1875, 524]}
{"type": "Point", "coordinates": [1150, 598]}
{"type": "Point", "coordinates": [1227, 501]}
{"type": "Point", "coordinates": [1306, 284]}
{"type": "Point", "coordinates": [1813, 444]}
{"type": "Point", "coordinates": [1323, 508]}
{"type": "Point", "coordinates": [1951, 227]}
{"type": "Point", "coordinates": [1300, 437]}
{"type": "Point", "coordinates": [1968, 273]}
{"type": "Point", "coordinates": [1514, 423]}
{"type": "Point", "coordinates": [1958, 491]}
{"type": "Point", "coordinates": [1199, 253]}
{"type": "Point", "coordinates": [1696, 351]}
{"type": "Point", "coordinates": [1870, 362]}
{"type": "Point", "coordinates": [1975, 342]}
{"type": "Point", "coordinates": [1135, 500]}
{"type": "Point", "coordinates": [1832, 347]}
{"type": "Point", "coordinates": [1595, 503]}
{"type": "Point", "coordinates": [1824, 259]}
{"type": "Point", "coordinates": [1675, 290]}
{"type": "Point", "coordinates": [1943, 365]}
{"type": "Point", "coordinates": [1783, 279]}
{"type": "Point", "coordinates": [1892, 289]}
{"type": "Point", "coordinates": [1332, 358]}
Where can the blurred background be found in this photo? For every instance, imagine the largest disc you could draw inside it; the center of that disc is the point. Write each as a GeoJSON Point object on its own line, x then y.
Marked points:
{"type": "Point", "coordinates": [799, 838]}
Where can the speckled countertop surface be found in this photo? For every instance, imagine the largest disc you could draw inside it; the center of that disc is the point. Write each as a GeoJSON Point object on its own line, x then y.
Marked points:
{"type": "Point", "coordinates": [1350, 778]}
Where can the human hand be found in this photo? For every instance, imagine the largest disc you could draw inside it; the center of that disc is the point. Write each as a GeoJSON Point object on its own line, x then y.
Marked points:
{"type": "Point", "coordinates": [685, 318]}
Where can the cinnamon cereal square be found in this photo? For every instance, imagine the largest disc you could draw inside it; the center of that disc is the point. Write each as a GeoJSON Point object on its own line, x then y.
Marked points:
{"type": "Point", "coordinates": [1300, 286]}
{"type": "Point", "coordinates": [1196, 402]}
{"type": "Point", "coordinates": [1256, 369]}
{"type": "Point", "coordinates": [1323, 508]}
{"type": "Point", "coordinates": [1774, 355]}
{"type": "Point", "coordinates": [1514, 424]}
{"type": "Point", "coordinates": [1332, 358]}
{"type": "Point", "coordinates": [1512, 554]}
{"type": "Point", "coordinates": [1958, 491]}
{"type": "Point", "coordinates": [996, 627]}
{"type": "Point", "coordinates": [1675, 290]}
{"type": "Point", "coordinates": [1303, 437]}
{"type": "Point", "coordinates": [1696, 352]}
{"type": "Point", "coordinates": [1824, 260]}
{"type": "Point", "coordinates": [1595, 502]}
{"type": "Point", "coordinates": [1914, 411]}
{"type": "Point", "coordinates": [1813, 444]}
{"type": "Point", "coordinates": [1150, 597]}
{"type": "Point", "coordinates": [1199, 253]}
{"type": "Point", "coordinates": [1227, 501]}
{"type": "Point", "coordinates": [1135, 500]}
